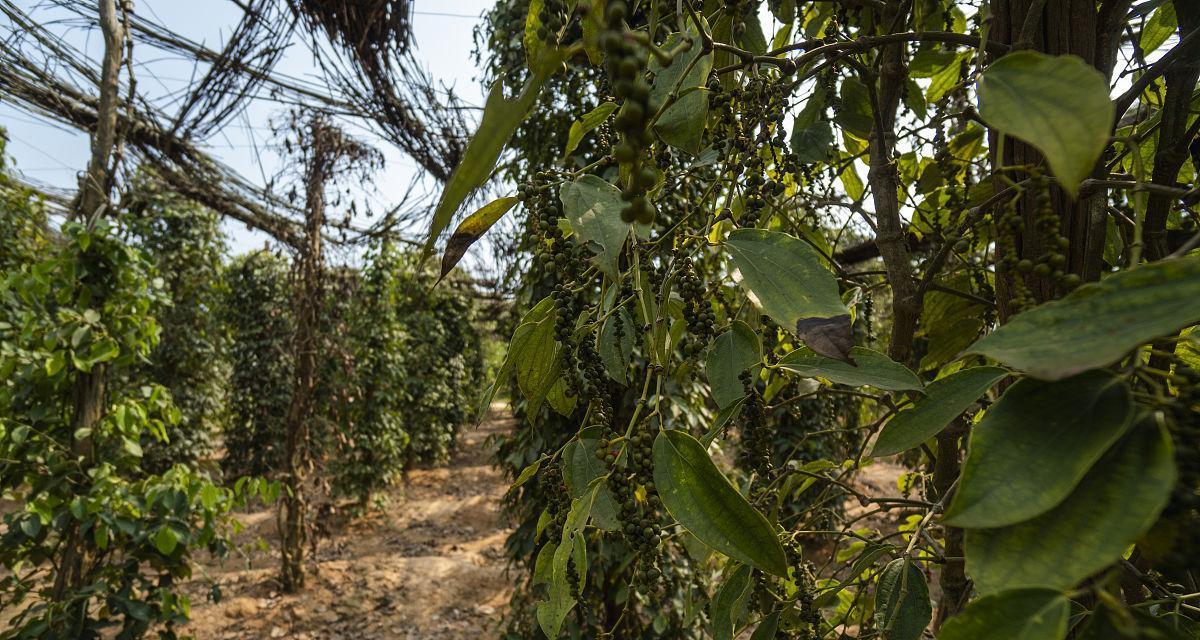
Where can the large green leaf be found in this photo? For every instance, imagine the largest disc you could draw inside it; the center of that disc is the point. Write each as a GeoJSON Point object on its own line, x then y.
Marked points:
{"type": "Point", "coordinates": [588, 122]}
{"type": "Point", "coordinates": [1159, 28]}
{"type": "Point", "coordinates": [902, 607]}
{"type": "Point", "coordinates": [593, 207]}
{"type": "Point", "coordinates": [944, 400]}
{"type": "Point", "coordinates": [703, 500]}
{"type": "Point", "coordinates": [1114, 504]}
{"type": "Point", "coordinates": [500, 119]}
{"type": "Point", "coordinates": [1035, 444]}
{"type": "Point", "coordinates": [682, 124]}
{"type": "Point", "coordinates": [1058, 104]}
{"type": "Point", "coordinates": [472, 228]}
{"type": "Point", "coordinates": [1097, 324]}
{"type": "Point", "coordinates": [1023, 614]}
{"type": "Point", "coordinates": [785, 277]}
{"type": "Point", "coordinates": [732, 353]}
{"type": "Point", "coordinates": [871, 369]}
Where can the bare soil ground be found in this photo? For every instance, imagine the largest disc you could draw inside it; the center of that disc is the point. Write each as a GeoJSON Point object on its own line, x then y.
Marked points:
{"type": "Point", "coordinates": [430, 565]}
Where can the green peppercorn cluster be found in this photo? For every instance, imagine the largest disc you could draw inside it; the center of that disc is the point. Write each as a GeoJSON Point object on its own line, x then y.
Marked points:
{"type": "Point", "coordinates": [756, 435]}
{"type": "Point", "coordinates": [553, 485]}
{"type": "Point", "coordinates": [699, 314]}
{"type": "Point", "coordinates": [625, 63]}
{"type": "Point", "coordinates": [550, 19]}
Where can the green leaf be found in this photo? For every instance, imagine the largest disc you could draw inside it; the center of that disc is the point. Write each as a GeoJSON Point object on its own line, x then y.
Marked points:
{"type": "Point", "coordinates": [703, 500]}
{"type": "Point", "coordinates": [732, 353]}
{"type": "Point", "coordinates": [557, 396]}
{"type": "Point", "coordinates": [614, 353]}
{"type": "Point", "coordinates": [944, 400]}
{"type": "Point", "coordinates": [767, 629]}
{"type": "Point", "coordinates": [784, 276]}
{"type": "Point", "coordinates": [902, 607]}
{"type": "Point", "coordinates": [527, 473]}
{"type": "Point", "coordinates": [1114, 504]}
{"type": "Point", "coordinates": [682, 124]}
{"type": "Point", "coordinates": [852, 183]}
{"type": "Point", "coordinates": [165, 540]}
{"type": "Point", "coordinates": [1098, 324]}
{"type": "Point", "coordinates": [1159, 28]}
{"type": "Point", "coordinates": [1023, 614]}
{"type": "Point", "coordinates": [1034, 445]}
{"type": "Point", "coordinates": [854, 114]}
{"type": "Point", "coordinates": [753, 39]}
{"type": "Point", "coordinates": [1058, 104]}
{"type": "Point", "coordinates": [581, 468]}
{"type": "Point", "coordinates": [534, 353]}
{"type": "Point", "coordinates": [586, 124]}
{"type": "Point", "coordinates": [593, 207]}
{"type": "Point", "coordinates": [552, 612]}
{"type": "Point", "coordinates": [501, 118]}
{"type": "Point", "coordinates": [814, 143]}
{"type": "Point", "coordinates": [729, 603]}
{"type": "Point", "coordinates": [872, 369]}
{"type": "Point", "coordinates": [472, 229]}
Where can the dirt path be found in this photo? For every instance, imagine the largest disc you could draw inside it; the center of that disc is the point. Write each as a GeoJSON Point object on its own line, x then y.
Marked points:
{"type": "Point", "coordinates": [430, 566]}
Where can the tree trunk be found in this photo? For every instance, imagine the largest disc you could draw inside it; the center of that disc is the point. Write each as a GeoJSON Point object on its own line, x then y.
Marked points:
{"type": "Point", "coordinates": [91, 203]}
{"type": "Point", "coordinates": [885, 185]}
{"type": "Point", "coordinates": [293, 526]}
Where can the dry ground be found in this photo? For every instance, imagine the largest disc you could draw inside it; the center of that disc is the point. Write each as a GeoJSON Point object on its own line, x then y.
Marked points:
{"type": "Point", "coordinates": [430, 565]}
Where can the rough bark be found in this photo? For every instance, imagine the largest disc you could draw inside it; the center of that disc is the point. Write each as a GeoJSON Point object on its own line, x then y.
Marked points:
{"type": "Point", "coordinates": [293, 520]}
{"type": "Point", "coordinates": [956, 588]}
{"type": "Point", "coordinates": [93, 202]}
{"type": "Point", "coordinates": [885, 184]}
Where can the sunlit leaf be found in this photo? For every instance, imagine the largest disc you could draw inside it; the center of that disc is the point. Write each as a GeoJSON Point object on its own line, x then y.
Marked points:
{"type": "Point", "coordinates": [1059, 104]}
{"type": "Point", "coordinates": [472, 228]}
{"type": "Point", "coordinates": [870, 368]}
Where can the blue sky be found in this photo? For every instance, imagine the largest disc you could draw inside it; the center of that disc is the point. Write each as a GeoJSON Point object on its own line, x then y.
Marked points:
{"type": "Point", "coordinates": [48, 153]}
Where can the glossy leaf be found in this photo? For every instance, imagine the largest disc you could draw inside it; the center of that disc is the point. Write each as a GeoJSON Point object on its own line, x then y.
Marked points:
{"type": "Point", "coordinates": [1098, 324]}
{"type": "Point", "coordinates": [871, 369]}
{"type": "Point", "coordinates": [1023, 614]}
{"type": "Point", "coordinates": [785, 277]}
{"type": "Point", "coordinates": [472, 229]}
{"type": "Point", "coordinates": [500, 119]}
{"type": "Point", "coordinates": [944, 400]}
{"type": "Point", "coordinates": [1059, 104]}
{"type": "Point", "coordinates": [732, 353]}
{"type": "Point", "coordinates": [586, 124]}
{"type": "Point", "coordinates": [1114, 504]}
{"type": "Point", "coordinates": [902, 606]}
{"type": "Point", "coordinates": [1034, 445]}
{"type": "Point", "coordinates": [703, 500]}
{"type": "Point", "coordinates": [593, 207]}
